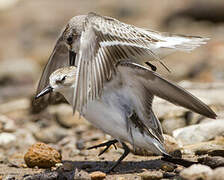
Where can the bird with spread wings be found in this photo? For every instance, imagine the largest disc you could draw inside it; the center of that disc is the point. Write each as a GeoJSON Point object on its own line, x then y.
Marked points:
{"type": "Point", "coordinates": [96, 43]}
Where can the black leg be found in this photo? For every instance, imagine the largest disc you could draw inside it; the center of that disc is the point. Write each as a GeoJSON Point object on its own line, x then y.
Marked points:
{"type": "Point", "coordinates": [107, 144]}
{"type": "Point", "coordinates": [154, 68]}
{"type": "Point", "coordinates": [126, 152]}
{"type": "Point", "coordinates": [179, 161]}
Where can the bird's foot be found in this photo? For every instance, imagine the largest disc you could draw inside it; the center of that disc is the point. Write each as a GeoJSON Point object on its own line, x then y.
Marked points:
{"type": "Point", "coordinates": [107, 144]}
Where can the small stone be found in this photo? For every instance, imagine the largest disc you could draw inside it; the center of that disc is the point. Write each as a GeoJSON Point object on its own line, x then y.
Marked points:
{"type": "Point", "coordinates": [204, 147]}
{"type": "Point", "coordinates": [169, 125]}
{"type": "Point", "coordinates": [23, 165]}
{"type": "Point", "coordinates": [65, 117]}
{"type": "Point", "coordinates": [218, 174]}
{"type": "Point", "coordinates": [15, 105]}
{"type": "Point", "coordinates": [218, 152]}
{"type": "Point", "coordinates": [7, 124]}
{"type": "Point", "coordinates": [51, 134]}
{"type": "Point", "coordinates": [151, 175]}
{"type": "Point", "coordinates": [42, 155]}
{"type": "Point", "coordinates": [7, 139]}
{"type": "Point", "coordinates": [213, 162]}
{"type": "Point", "coordinates": [81, 175]}
{"type": "Point", "coordinates": [58, 164]}
{"type": "Point", "coordinates": [170, 144]}
{"type": "Point", "coordinates": [68, 166]}
{"type": "Point", "coordinates": [199, 133]}
{"type": "Point", "coordinates": [97, 175]}
{"type": "Point", "coordinates": [80, 144]}
{"type": "Point", "coordinates": [167, 167]}
{"type": "Point", "coordinates": [196, 171]}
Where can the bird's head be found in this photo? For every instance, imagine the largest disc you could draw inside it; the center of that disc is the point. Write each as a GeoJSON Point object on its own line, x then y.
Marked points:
{"type": "Point", "coordinates": [62, 80]}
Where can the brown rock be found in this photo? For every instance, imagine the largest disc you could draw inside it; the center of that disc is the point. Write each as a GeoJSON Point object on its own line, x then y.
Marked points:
{"type": "Point", "coordinates": [167, 167]}
{"type": "Point", "coordinates": [42, 155]}
{"type": "Point", "coordinates": [97, 175]}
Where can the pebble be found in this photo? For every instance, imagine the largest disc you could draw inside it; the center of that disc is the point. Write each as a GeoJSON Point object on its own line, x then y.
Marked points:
{"type": "Point", "coordinates": [169, 125]}
{"type": "Point", "coordinates": [195, 172]}
{"type": "Point", "coordinates": [213, 162]}
{"type": "Point", "coordinates": [81, 175]}
{"type": "Point", "coordinates": [97, 175]}
{"type": "Point", "coordinates": [199, 133]}
{"type": "Point", "coordinates": [204, 147]}
{"type": "Point", "coordinates": [42, 155]}
{"type": "Point", "coordinates": [24, 138]}
{"type": "Point", "coordinates": [170, 144]}
{"type": "Point", "coordinates": [51, 134]}
{"type": "Point", "coordinates": [7, 124]}
{"type": "Point", "coordinates": [167, 167]}
{"type": "Point", "coordinates": [15, 105]}
{"type": "Point", "coordinates": [67, 166]}
{"type": "Point", "coordinates": [65, 117]}
{"type": "Point", "coordinates": [7, 139]}
{"type": "Point", "coordinates": [151, 175]}
{"type": "Point", "coordinates": [218, 174]}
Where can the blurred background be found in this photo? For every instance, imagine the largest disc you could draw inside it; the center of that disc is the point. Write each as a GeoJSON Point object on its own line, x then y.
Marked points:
{"type": "Point", "coordinates": [29, 30]}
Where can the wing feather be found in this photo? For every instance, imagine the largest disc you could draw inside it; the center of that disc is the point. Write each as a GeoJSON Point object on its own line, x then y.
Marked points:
{"type": "Point", "coordinates": [109, 41]}
{"type": "Point", "coordinates": [166, 89]}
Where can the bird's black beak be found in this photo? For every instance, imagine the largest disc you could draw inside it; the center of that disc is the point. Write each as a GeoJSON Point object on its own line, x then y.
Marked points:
{"type": "Point", "coordinates": [72, 56]}
{"type": "Point", "coordinates": [45, 91]}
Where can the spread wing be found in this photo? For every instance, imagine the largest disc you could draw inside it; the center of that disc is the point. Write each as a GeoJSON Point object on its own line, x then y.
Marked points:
{"type": "Point", "coordinates": [165, 89]}
{"type": "Point", "coordinates": [105, 41]}
{"type": "Point", "coordinates": [58, 59]}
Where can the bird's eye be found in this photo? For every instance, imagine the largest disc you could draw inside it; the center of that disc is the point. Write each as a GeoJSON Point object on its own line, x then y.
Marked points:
{"type": "Point", "coordinates": [69, 40]}
{"type": "Point", "coordinates": [64, 77]}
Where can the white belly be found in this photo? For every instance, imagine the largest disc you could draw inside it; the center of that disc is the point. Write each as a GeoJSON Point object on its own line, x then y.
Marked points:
{"type": "Point", "coordinates": [111, 120]}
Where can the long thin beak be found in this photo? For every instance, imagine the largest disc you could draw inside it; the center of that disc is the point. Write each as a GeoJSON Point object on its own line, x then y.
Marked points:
{"type": "Point", "coordinates": [45, 91]}
{"type": "Point", "coordinates": [72, 56]}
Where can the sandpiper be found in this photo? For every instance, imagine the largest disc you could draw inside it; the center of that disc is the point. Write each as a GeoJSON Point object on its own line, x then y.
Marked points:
{"type": "Point", "coordinates": [96, 43]}
{"type": "Point", "coordinates": [124, 109]}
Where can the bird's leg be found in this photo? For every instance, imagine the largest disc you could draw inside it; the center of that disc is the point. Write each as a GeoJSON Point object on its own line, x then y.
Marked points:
{"type": "Point", "coordinates": [107, 144]}
{"type": "Point", "coordinates": [179, 161]}
{"type": "Point", "coordinates": [154, 68]}
{"type": "Point", "coordinates": [126, 152]}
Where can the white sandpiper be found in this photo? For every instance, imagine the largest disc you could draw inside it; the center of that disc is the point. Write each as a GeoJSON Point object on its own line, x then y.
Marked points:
{"type": "Point", "coordinates": [124, 109]}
